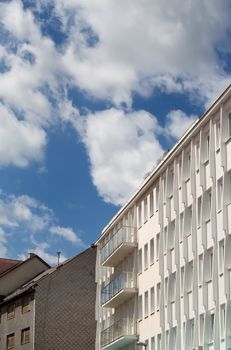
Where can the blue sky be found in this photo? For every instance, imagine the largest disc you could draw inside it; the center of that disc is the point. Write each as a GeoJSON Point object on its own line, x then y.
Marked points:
{"type": "Point", "coordinates": [91, 94]}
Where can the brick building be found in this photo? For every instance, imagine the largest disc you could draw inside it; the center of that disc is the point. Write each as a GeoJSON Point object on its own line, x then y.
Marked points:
{"type": "Point", "coordinates": [55, 309]}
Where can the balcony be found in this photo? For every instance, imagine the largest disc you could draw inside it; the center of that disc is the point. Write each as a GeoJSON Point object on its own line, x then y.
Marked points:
{"type": "Point", "coordinates": [120, 334]}
{"type": "Point", "coordinates": [122, 288]}
{"type": "Point", "coordinates": [120, 245]}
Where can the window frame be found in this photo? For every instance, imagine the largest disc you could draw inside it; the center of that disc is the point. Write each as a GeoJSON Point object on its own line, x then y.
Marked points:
{"type": "Point", "coordinates": [10, 315]}
{"type": "Point", "coordinates": [25, 337]}
{"type": "Point", "coordinates": [8, 346]}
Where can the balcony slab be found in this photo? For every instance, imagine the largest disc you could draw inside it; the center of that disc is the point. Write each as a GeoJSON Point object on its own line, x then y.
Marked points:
{"type": "Point", "coordinates": [119, 254]}
{"type": "Point", "coordinates": [120, 342]}
{"type": "Point", "coordinates": [121, 297]}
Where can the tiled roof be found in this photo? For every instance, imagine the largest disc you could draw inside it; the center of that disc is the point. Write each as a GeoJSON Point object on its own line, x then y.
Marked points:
{"type": "Point", "coordinates": [6, 264]}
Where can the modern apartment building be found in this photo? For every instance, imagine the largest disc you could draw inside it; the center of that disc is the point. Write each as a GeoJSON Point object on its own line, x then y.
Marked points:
{"type": "Point", "coordinates": [164, 260]}
{"type": "Point", "coordinates": [45, 308]}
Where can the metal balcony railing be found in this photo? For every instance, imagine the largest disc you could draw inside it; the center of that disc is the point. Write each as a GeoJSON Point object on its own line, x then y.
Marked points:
{"type": "Point", "coordinates": [125, 280]}
{"type": "Point", "coordinates": [125, 234]}
{"type": "Point", "coordinates": [120, 329]}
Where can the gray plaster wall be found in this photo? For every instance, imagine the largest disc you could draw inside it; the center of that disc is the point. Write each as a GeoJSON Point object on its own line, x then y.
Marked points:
{"type": "Point", "coordinates": [65, 306]}
{"type": "Point", "coordinates": [16, 324]}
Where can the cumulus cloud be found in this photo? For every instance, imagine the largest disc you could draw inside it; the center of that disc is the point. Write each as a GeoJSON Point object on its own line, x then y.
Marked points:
{"type": "Point", "coordinates": [16, 211]}
{"type": "Point", "coordinates": [67, 233]}
{"type": "Point", "coordinates": [171, 46]}
{"type": "Point", "coordinates": [155, 46]}
{"type": "Point", "coordinates": [21, 142]}
{"type": "Point", "coordinates": [177, 122]}
{"type": "Point", "coordinates": [24, 219]}
{"type": "Point", "coordinates": [122, 147]}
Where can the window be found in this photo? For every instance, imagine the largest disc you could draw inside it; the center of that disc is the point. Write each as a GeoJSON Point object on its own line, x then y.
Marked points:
{"type": "Point", "coordinates": [158, 296]}
{"type": "Point", "coordinates": [140, 215]}
{"type": "Point", "coordinates": [200, 269]}
{"type": "Point", "coordinates": [207, 143]}
{"type": "Point", "coordinates": [187, 165]}
{"type": "Point", "coordinates": [197, 147]}
{"type": "Point", "coordinates": [184, 333]}
{"type": "Point", "coordinates": [166, 289]}
{"type": "Point", "coordinates": [209, 203]}
{"type": "Point", "coordinates": [151, 203]}
{"type": "Point", "coordinates": [165, 239]}
{"type": "Point", "coordinates": [146, 256]}
{"type": "Point", "coordinates": [167, 339]}
{"type": "Point", "coordinates": [26, 303]}
{"type": "Point", "coordinates": [222, 320]}
{"type": "Point", "coordinates": [157, 245]}
{"type": "Point", "coordinates": [202, 322]}
{"type": "Point", "coordinates": [158, 341]}
{"type": "Point", "coordinates": [211, 327]}
{"type": "Point", "coordinates": [10, 311]}
{"type": "Point", "coordinates": [172, 339]}
{"type": "Point", "coordinates": [172, 287]}
{"type": "Point", "coordinates": [153, 343]}
{"type": "Point", "coordinates": [25, 336]}
{"type": "Point", "coordinates": [152, 300]}
{"type": "Point", "coordinates": [171, 234]}
{"type": "Point", "coordinates": [218, 133]}
{"type": "Point", "coordinates": [188, 162]}
{"type": "Point", "coordinates": [199, 208]}
{"type": "Point", "coordinates": [221, 255]}
{"type": "Point", "coordinates": [157, 197]}
{"type": "Point", "coordinates": [140, 261]}
{"type": "Point", "coordinates": [229, 125]}
{"type": "Point", "coordinates": [152, 251]}
{"type": "Point", "coordinates": [182, 280]}
{"type": "Point", "coordinates": [140, 307]}
{"type": "Point", "coordinates": [146, 304]}
{"type": "Point", "coordinates": [219, 194]}
{"type": "Point", "coordinates": [188, 220]}
{"type": "Point", "coordinates": [189, 276]}
{"type": "Point", "coordinates": [170, 182]}
{"type": "Point", "coordinates": [210, 265]}
{"type": "Point", "coordinates": [190, 334]}
{"type": "Point", "coordinates": [145, 209]}
{"type": "Point", "coordinates": [181, 226]}
{"type": "Point", "coordinates": [10, 342]}
{"type": "Point", "coordinates": [180, 172]}
{"type": "Point", "coordinates": [164, 187]}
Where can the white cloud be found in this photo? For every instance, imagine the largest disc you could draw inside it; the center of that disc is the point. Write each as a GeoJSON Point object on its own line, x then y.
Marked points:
{"type": "Point", "coordinates": [21, 142]}
{"type": "Point", "coordinates": [177, 122]}
{"type": "Point", "coordinates": [122, 147]}
{"type": "Point", "coordinates": [16, 211]}
{"type": "Point", "coordinates": [67, 233]}
{"type": "Point", "coordinates": [31, 224]}
{"type": "Point", "coordinates": [156, 45]}
{"type": "Point", "coordinates": [3, 241]}
{"type": "Point", "coordinates": [112, 49]}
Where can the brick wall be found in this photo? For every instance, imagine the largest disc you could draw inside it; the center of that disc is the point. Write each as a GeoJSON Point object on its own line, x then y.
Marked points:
{"type": "Point", "coordinates": [65, 306]}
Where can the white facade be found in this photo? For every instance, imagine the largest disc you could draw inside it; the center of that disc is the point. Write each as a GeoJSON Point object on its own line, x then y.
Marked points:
{"type": "Point", "coordinates": [164, 261]}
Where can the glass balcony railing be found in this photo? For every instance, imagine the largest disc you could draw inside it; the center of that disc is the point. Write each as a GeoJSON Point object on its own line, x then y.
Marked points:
{"type": "Point", "coordinates": [123, 281]}
{"type": "Point", "coordinates": [125, 234]}
{"type": "Point", "coordinates": [124, 328]}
